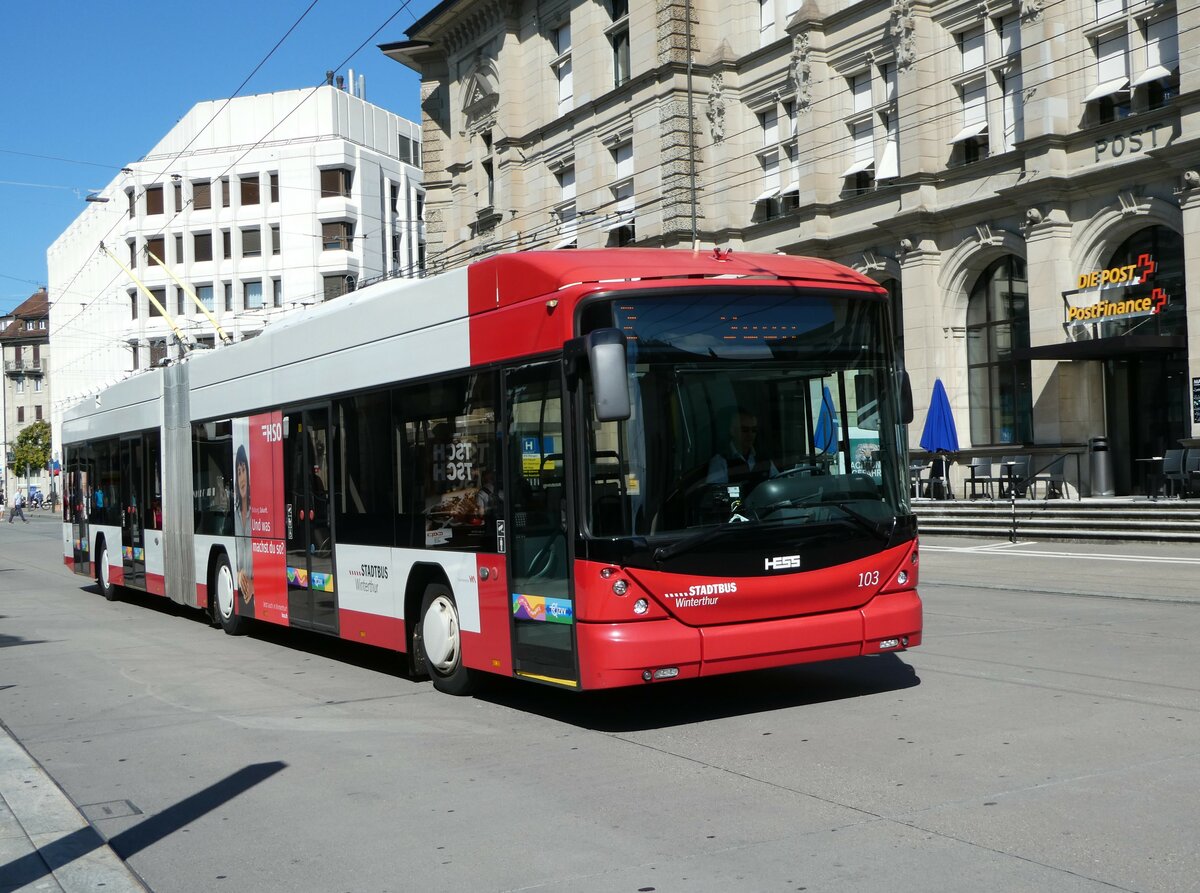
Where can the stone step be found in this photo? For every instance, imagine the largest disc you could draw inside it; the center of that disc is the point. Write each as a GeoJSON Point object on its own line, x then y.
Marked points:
{"type": "Point", "coordinates": [1163, 520]}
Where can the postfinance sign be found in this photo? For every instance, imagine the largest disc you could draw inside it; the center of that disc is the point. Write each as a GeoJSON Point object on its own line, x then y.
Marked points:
{"type": "Point", "coordinates": [1123, 277]}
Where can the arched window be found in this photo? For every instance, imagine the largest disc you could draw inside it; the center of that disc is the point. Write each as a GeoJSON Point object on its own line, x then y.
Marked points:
{"type": "Point", "coordinates": [998, 325]}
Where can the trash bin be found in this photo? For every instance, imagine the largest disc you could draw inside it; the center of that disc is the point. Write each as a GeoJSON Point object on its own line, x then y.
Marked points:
{"type": "Point", "coordinates": [1100, 465]}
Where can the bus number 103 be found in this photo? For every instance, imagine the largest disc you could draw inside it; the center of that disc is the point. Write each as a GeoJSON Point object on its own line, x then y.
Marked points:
{"type": "Point", "coordinates": [273, 432]}
{"type": "Point", "coordinates": [870, 578]}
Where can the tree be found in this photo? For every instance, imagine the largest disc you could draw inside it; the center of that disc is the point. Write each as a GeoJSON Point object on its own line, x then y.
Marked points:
{"type": "Point", "coordinates": [31, 449]}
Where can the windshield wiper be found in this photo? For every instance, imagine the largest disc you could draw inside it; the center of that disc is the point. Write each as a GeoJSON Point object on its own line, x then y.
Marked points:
{"type": "Point", "coordinates": [851, 515]}
{"type": "Point", "coordinates": [863, 521]}
{"type": "Point", "coordinates": [662, 553]}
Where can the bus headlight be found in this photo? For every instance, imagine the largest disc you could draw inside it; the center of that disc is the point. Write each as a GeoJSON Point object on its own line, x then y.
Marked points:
{"type": "Point", "coordinates": [641, 606]}
{"type": "Point", "coordinates": [902, 577]}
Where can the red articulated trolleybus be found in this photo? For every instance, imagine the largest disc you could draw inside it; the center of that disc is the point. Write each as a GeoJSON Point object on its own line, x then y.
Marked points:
{"type": "Point", "coordinates": [587, 468]}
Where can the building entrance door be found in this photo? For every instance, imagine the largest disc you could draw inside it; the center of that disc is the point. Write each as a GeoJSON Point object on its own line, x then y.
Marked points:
{"type": "Point", "coordinates": [1147, 397]}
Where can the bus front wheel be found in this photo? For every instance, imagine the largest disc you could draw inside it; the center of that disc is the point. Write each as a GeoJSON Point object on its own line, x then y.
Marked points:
{"type": "Point", "coordinates": [103, 574]}
{"type": "Point", "coordinates": [223, 594]}
{"type": "Point", "coordinates": [438, 638]}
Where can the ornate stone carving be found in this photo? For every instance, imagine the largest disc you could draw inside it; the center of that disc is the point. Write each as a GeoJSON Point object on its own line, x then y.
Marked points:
{"type": "Point", "coordinates": [903, 29]}
{"type": "Point", "coordinates": [1031, 10]}
{"type": "Point", "coordinates": [716, 107]}
{"type": "Point", "coordinates": [800, 73]}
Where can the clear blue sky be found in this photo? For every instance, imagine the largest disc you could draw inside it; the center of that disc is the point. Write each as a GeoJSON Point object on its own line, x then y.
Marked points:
{"type": "Point", "coordinates": [94, 86]}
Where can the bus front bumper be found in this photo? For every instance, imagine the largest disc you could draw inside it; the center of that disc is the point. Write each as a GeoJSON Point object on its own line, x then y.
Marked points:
{"type": "Point", "coordinates": [623, 654]}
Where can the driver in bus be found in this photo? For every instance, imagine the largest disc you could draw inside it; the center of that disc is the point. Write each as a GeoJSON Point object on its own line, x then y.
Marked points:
{"type": "Point", "coordinates": [740, 463]}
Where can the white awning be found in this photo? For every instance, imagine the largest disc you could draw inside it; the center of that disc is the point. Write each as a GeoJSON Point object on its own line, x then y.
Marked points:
{"type": "Point", "coordinates": [770, 193]}
{"type": "Point", "coordinates": [889, 162]}
{"type": "Point", "coordinates": [859, 166]}
{"type": "Point", "coordinates": [1108, 88]}
{"type": "Point", "coordinates": [969, 132]}
{"type": "Point", "coordinates": [568, 242]}
{"type": "Point", "coordinates": [790, 188]}
{"type": "Point", "coordinates": [1151, 74]}
{"type": "Point", "coordinates": [618, 222]}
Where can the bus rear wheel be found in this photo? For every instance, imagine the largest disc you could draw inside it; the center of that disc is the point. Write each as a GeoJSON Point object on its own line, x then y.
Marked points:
{"type": "Point", "coordinates": [103, 573]}
{"type": "Point", "coordinates": [438, 640]}
{"type": "Point", "coordinates": [222, 595]}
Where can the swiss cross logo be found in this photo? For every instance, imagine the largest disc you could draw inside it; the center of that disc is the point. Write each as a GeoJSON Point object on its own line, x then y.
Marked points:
{"type": "Point", "coordinates": [1145, 267]}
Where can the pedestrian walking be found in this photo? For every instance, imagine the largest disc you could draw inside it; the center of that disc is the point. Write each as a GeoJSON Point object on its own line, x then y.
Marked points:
{"type": "Point", "coordinates": [18, 508]}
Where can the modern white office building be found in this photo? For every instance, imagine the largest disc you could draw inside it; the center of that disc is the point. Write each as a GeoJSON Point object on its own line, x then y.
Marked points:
{"type": "Point", "coordinates": [256, 205]}
{"type": "Point", "coordinates": [990, 163]}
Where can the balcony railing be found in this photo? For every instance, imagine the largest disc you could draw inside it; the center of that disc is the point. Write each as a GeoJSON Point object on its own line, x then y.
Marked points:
{"type": "Point", "coordinates": [23, 367]}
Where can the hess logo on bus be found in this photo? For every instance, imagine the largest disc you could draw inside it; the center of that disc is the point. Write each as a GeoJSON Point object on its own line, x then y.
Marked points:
{"type": "Point", "coordinates": [782, 563]}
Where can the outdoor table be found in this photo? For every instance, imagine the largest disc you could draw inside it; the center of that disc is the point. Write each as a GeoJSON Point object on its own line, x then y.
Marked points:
{"type": "Point", "coordinates": [1006, 477]}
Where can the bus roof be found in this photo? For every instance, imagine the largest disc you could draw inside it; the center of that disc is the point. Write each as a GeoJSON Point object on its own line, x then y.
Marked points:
{"type": "Point", "coordinates": [510, 278]}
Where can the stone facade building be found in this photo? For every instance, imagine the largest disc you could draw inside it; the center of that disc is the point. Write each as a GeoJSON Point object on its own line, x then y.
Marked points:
{"type": "Point", "coordinates": [991, 163]}
{"type": "Point", "coordinates": [25, 344]}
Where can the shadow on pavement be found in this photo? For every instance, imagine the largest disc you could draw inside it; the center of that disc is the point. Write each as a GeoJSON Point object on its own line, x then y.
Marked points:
{"type": "Point", "coordinates": [663, 705]}
{"type": "Point", "coordinates": [54, 856]}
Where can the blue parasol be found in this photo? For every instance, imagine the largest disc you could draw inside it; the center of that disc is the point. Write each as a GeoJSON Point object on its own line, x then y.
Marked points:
{"type": "Point", "coordinates": [939, 433]}
{"type": "Point", "coordinates": [826, 435]}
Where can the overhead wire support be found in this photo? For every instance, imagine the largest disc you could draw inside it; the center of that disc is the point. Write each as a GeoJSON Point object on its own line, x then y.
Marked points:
{"type": "Point", "coordinates": [183, 339]}
{"type": "Point", "coordinates": [187, 289]}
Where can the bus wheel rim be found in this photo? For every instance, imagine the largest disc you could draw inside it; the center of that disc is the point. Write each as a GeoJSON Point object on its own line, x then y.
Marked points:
{"type": "Point", "coordinates": [440, 634]}
{"type": "Point", "coordinates": [104, 568]}
{"type": "Point", "coordinates": [225, 591]}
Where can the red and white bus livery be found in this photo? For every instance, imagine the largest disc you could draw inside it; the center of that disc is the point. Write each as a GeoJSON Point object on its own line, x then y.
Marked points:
{"type": "Point", "coordinates": [587, 468]}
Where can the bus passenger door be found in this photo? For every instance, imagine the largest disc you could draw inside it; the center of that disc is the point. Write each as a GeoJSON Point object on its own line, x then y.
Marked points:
{"type": "Point", "coordinates": [312, 601]}
{"type": "Point", "coordinates": [133, 540]}
{"type": "Point", "coordinates": [536, 471]}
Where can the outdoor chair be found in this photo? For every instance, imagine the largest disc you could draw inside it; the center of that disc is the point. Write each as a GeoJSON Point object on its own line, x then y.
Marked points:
{"type": "Point", "coordinates": [1014, 479]}
{"type": "Point", "coordinates": [1172, 478]}
{"type": "Point", "coordinates": [914, 477]}
{"type": "Point", "coordinates": [937, 485]}
{"type": "Point", "coordinates": [1053, 478]}
{"type": "Point", "coordinates": [1191, 472]}
{"type": "Point", "coordinates": [980, 478]}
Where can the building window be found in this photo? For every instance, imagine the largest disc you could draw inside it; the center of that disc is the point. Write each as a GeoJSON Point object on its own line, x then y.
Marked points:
{"type": "Point", "coordinates": [201, 195]}
{"type": "Point", "coordinates": [766, 22]}
{"type": "Point", "coordinates": [337, 235]}
{"type": "Point", "coordinates": [336, 182]}
{"type": "Point", "coordinates": [178, 259]}
{"type": "Point", "coordinates": [131, 196]}
{"type": "Point", "coordinates": [178, 189]}
{"type": "Point", "coordinates": [133, 258]}
{"type": "Point", "coordinates": [620, 225]}
{"type": "Point", "coordinates": [152, 308]}
{"type": "Point", "coordinates": [181, 302]}
{"type": "Point", "coordinates": [1014, 119]}
{"type": "Point", "coordinates": [20, 386]}
{"type": "Point", "coordinates": [156, 247]}
{"type": "Point", "coordinates": [205, 294]}
{"type": "Point", "coordinates": [158, 352]}
{"type": "Point", "coordinates": [133, 304]}
{"type": "Point", "coordinates": [20, 414]}
{"type": "Point", "coordinates": [971, 141]}
{"type": "Point", "coordinates": [1000, 385]}
{"type": "Point", "coordinates": [618, 35]}
{"type": "Point", "coordinates": [568, 234]}
{"type": "Point", "coordinates": [768, 157]}
{"type": "Point", "coordinates": [1109, 99]}
{"type": "Point", "coordinates": [202, 247]}
{"type": "Point", "coordinates": [249, 186]}
{"type": "Point", "coordinates": [37, 385]}
{"type": "Point", "coordinates": [859, 177]}
{"type": "Point", "coordinates": [971, 48]}
{"type": "Point", "coordinates": [252, 242]}
{"type": "Point", "coordinates": [337, 285]}
{"type": "Point", "coordinates": [154, 200]}
{"type": "Point", "coordinates": [252, 294]}
{"type": "Point", "coordinates": [1159, 80]}
{"type": "Point", "coordinates": [1106, 8]}
{"type": "Point", "coordinates": [37, 412]}
{"type": "Point", "coordinates": [226, 192]}
{"type": "Point", "coordinates": [562, 66]}
{"type": "Point", "coordinates": [277, 292]}
{"type": "Point", "coordinates": [275, 238]}
{"type": "Point", "coordinates": [226, 244]}
{"type": "Point", "coordinates": [410, 150]}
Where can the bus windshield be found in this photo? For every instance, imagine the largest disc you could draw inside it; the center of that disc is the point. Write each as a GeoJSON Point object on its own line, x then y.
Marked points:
{"type": "Point", "coordinates": [750, 407]}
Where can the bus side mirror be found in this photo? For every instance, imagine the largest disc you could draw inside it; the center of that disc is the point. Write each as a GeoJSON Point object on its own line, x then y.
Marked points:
{"type": "Point", "coordinates": [906, 406]}
{"type": "Point", "coordinates": [610, 379]}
